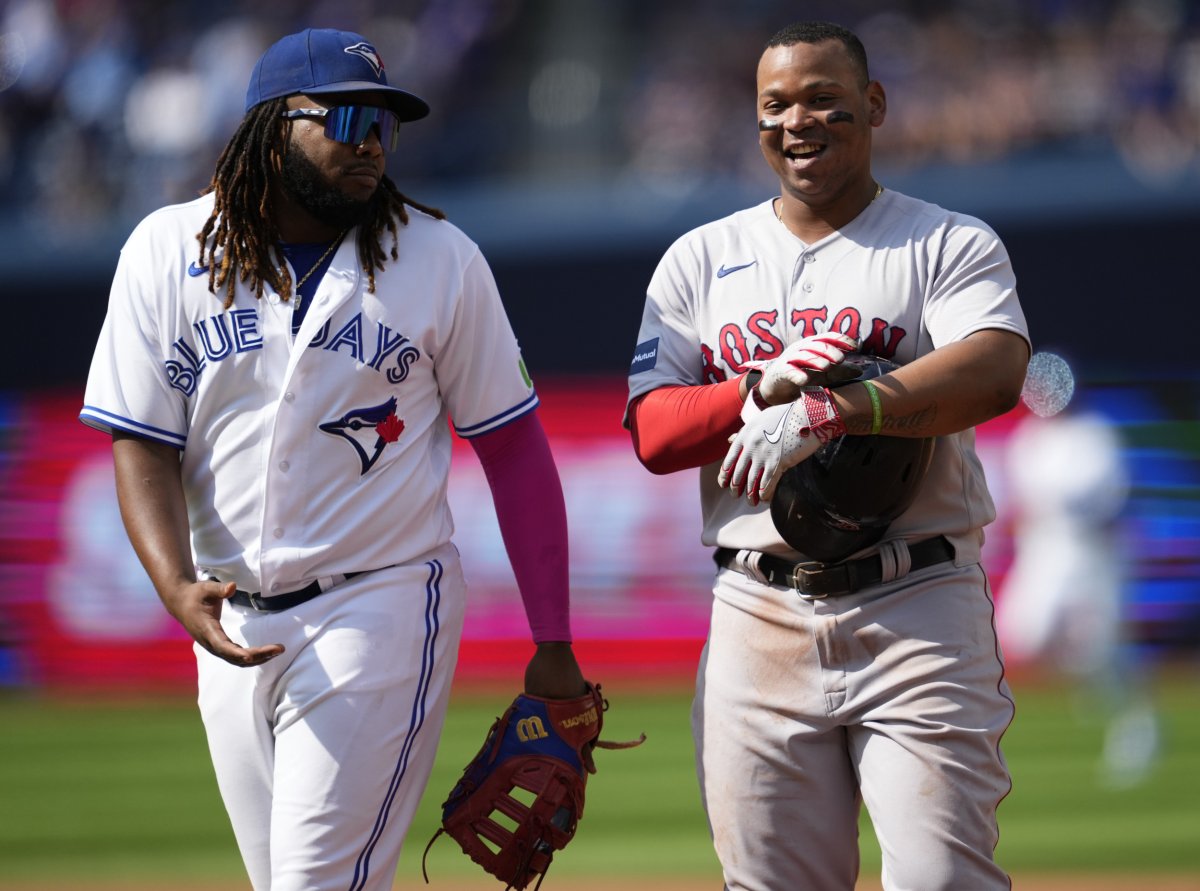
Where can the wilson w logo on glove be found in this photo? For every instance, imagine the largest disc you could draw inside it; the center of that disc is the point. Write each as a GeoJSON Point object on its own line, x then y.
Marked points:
{"type": "Point", "coordinates": [530, 774]}
{"type": "Point", "coordinates": [531, 729]}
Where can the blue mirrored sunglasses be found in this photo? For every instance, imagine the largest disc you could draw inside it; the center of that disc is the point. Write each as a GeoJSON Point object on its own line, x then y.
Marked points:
{"type": "Point", "coordinates": [352, 123]}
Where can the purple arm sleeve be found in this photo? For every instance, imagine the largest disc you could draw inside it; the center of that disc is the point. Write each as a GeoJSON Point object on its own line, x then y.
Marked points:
{"type": "Point", "coordinates": [529, 503]}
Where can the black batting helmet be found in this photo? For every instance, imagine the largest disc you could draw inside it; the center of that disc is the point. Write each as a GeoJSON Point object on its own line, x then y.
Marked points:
{"type": "Point", "coordinates": [845, 496]}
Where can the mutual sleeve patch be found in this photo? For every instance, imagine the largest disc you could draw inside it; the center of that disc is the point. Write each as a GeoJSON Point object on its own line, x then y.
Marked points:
{"type": "Point", "coordinates": [645, 356]}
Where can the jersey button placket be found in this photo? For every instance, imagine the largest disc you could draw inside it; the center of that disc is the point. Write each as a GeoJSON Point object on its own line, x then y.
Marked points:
{"type": "Point", "coordinates": [802, 281]}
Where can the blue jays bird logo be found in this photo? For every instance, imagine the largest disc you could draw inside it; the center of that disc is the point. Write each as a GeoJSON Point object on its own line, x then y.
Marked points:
{"type": "Point", "coordinates": [368, 430]}
{"type": "Point", "coordinates": [369, 53]}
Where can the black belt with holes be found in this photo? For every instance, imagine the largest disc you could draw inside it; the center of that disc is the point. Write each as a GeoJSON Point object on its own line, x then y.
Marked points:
{"type": "Point", "coordinates": [280, 602]}
{"type": "Point", "coordinates": [819, 580]}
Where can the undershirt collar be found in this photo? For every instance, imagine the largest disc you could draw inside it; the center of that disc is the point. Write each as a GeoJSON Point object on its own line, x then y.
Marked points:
{"type": "Point", "coordinates": [302, 256]}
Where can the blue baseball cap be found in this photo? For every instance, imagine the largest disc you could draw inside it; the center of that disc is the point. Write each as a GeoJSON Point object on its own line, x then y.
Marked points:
{"type": "Point", "coordinates": [323, 60]}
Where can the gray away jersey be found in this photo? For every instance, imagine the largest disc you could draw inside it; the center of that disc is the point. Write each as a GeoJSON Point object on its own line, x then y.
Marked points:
{"type": "Point", "coordinates": [905, 277]}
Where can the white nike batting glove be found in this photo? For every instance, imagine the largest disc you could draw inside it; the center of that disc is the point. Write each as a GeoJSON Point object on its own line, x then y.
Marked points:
{"type": "Point", "coordinates": [776, 438]}
{"type": "Point", "coordinates": [804, 363]}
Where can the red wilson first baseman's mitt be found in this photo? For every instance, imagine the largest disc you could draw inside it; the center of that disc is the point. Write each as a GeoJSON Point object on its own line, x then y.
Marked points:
{"type": "Point", "coordinates": [520, 798]}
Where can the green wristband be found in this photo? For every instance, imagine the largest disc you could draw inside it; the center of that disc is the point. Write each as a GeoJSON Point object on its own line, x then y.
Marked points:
{"type": "Point", "coordinates": [876, 408]}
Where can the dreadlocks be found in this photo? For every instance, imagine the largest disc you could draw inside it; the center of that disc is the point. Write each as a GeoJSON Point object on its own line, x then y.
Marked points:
{"type": "Point", "coordinates": [241, 227]}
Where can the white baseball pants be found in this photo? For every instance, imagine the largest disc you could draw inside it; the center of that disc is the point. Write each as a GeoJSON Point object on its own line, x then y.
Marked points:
{"type": "Point", "coordinates": [322, 754]}
{"type": "Point", "coordinates": [894, 696]}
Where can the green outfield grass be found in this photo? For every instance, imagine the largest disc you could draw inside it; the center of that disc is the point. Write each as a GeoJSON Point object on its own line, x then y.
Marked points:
{"type": "Point", "coordinates": [123, 792]}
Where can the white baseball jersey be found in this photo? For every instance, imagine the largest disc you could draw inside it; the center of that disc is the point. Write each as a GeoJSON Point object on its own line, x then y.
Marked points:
{"type": "Point", "coordinates": [905, 277]}
{"type": "Point", "coordinates": [1061, 603]}
{"type": "Point", "coordinates": [321, 454]}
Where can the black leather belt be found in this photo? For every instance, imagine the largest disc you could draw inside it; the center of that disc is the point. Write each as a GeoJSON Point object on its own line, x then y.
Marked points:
{"type": "Point", "coordinates": [819, 580]}
{"type": "Point", "coordinates": [282, 601]}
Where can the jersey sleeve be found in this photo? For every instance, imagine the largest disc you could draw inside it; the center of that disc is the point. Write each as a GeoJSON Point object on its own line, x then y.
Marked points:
{"type": "Point", "coordinates": [480, 371]}
{"type": "Point", "coordinates": [975, 287]}
{"type": "Point", "coordinates": [128, 387]}
{"type": "Point", "coordinates": [668, 345]}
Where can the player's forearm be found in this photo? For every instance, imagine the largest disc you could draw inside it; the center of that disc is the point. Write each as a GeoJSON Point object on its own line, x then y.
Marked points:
{"type": "Point", "coordinates": [532, 514]}
{"type": "Point", "coordinates": [675, 428]}
{"type": "Point", "coordinates": [955, 387]}
{"type": "Point", "coordinates": [153, 509]}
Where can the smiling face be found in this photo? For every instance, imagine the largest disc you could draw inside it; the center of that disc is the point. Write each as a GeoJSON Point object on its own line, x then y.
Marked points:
{"type": "Point", "coordinates": [332, 183]}
{"type": "Point", "coordinates": [816, 110]}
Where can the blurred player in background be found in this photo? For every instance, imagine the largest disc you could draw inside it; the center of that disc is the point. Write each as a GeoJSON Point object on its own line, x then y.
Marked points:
{"type": "Point", "coordinates": [1061, 607]}
{"type": "Point", "coordinates": [277, 369]}
{"type": "Point", "coordinates": [877, 678]}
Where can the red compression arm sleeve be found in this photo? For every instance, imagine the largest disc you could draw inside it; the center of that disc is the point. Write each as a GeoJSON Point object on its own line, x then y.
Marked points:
{"type": "Point", "coordinates": [679, 427]}
{"type": "Point", "coordinates": [529, 503]}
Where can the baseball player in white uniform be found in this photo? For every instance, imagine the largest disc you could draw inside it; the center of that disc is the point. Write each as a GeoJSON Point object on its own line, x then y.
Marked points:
{"type": "Point", "coordinates": [280, 366]}
{"type": "Point", "coordinates": [884, 684]}
{"type": "Point", "coordinates": [1061, 607]}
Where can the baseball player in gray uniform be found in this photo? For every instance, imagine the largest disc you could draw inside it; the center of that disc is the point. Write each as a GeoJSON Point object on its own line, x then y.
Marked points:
{"type": "Point", "coordinates": [883, 684]}
{"type": "Point", "coordinates": [280, 368]}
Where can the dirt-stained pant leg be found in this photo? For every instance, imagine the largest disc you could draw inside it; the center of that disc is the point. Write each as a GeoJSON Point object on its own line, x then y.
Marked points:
{"type": "Point", "coordinates": [926, 732]}
{"type": "Point", "coordinates": [322, 754]}
{"type": "Point", "coordinates": [902, 685]}
{"type": "Point", "coordinates": [775, 773]}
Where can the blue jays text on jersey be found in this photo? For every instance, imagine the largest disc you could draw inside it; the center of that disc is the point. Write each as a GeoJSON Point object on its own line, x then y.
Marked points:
{"type": "Point", "coordinates": [294, 459]}
{"type": "Point", "coordinates": [236, 331]}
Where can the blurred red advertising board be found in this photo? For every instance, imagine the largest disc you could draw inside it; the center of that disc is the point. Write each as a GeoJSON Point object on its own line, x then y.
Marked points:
{"type": "Point", "coordinates": [80, 613]}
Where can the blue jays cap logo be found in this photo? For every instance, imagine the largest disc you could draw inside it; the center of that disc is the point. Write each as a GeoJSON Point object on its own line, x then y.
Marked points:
{"type": "Point", "coordinates": [368, 430]}
{"type": "Point", "coordinates": [368, 52]}
{"type": "Point", "coordinates": [325, 60]}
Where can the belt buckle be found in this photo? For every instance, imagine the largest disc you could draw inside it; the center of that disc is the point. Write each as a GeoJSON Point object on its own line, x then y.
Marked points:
{"type": "Point", "coordinates": [801, 579]}
{"type": "Point", "coordinates": [256, 601]}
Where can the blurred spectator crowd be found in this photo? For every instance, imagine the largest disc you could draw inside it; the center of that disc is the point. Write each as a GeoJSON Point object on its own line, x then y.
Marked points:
{"type": "Point", "coordinates": [109, 108]}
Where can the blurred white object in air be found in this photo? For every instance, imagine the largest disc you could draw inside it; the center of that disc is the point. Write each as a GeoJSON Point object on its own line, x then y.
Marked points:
{"type": "Point", "coordinates": [1049, 384]}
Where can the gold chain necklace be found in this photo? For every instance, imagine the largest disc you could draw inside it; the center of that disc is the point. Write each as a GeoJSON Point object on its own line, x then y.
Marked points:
{"type": "Point", "coordinates": [329, 250]}
{"type": "Point", "coordinates": [779, 206]}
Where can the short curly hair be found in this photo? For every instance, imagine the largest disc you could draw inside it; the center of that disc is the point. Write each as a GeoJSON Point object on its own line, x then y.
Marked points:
{"type": "Point", "coordinates": [819, 32]}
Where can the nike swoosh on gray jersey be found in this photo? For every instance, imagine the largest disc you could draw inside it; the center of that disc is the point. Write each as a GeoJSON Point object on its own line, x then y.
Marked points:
{"type": "Point", "coordinates": [724, 271]}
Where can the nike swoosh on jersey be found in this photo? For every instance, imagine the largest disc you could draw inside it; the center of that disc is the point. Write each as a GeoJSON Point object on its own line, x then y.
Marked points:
{"type": "Point", "coordinates": [725, 270]}
{"type": "Point", "coordinates": [194, 270]}
{"type": "Point", "coordinates": [773, 436]}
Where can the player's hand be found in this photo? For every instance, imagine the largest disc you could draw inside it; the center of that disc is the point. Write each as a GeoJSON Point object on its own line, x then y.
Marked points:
{"type": "Point", "coordinates": [197, 607]}
{"type": "Point", "coordinates": [776, 438]}
{"type": "Point", "coordinates": [811, 362]}
{"type": "Point", "coordinates": [553, 673]}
